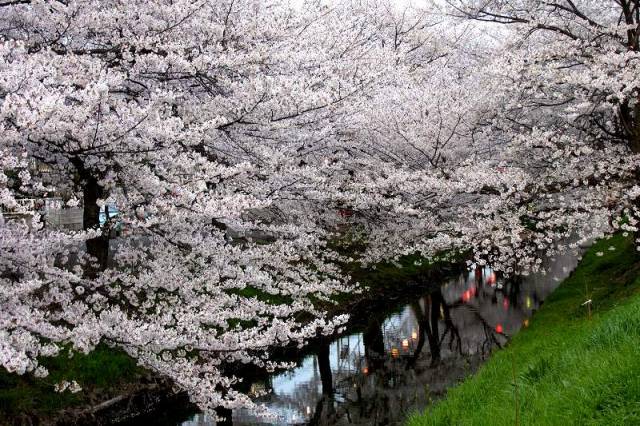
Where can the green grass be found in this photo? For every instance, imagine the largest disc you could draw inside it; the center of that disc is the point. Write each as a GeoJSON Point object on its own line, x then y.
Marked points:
{"type": "Point", "coordinates": [99, 373]}
{"type": "Point", "coordinates": [569, 369]}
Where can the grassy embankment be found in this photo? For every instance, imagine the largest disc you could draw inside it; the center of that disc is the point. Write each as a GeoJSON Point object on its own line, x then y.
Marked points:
{"type": "Point", "coordinates": [107, 372]}
{"type": "Point", "coordinates": [572, 365]}
{"type": "Point", "coordinates": [103, 374]}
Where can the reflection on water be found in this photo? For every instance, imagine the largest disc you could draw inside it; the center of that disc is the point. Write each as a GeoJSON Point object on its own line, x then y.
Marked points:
{"type": "Point", "coordinates": [401, 362]}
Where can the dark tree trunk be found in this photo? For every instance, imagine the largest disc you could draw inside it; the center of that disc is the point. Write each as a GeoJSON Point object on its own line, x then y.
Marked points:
{"type": "Point", "coordinates": [433, 333]}
{"type": "Point", "coordinates": [96, 247]}
{"type": "Point", "coordinates": [324, 366]}
{"type": "Point", "coordinates": [635, 135]}
{"type": "Point", "coordinates": [630, 122]}
{"type": "Point", "coordinates": [423, 327]}
{"type": "Point", "coordinates": [373, 341]}
{"type": "Point", "coordinates": [227, 416]}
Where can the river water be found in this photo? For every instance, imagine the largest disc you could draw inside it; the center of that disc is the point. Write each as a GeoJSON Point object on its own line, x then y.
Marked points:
{"type": "Point", "coordinates": [402, 355]}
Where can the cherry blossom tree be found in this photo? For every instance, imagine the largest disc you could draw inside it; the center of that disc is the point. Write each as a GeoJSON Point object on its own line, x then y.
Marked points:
{"type": "Point", "coordinates": [230, 133]}
{"type": "Point", "coordinates": [415, 160]}
{"type": "Point", "coordinates": [569, 121]}
{"type": "Point", "coordinates": [518, 146]}
{"type": "Point", "coordinates": [185, 115]}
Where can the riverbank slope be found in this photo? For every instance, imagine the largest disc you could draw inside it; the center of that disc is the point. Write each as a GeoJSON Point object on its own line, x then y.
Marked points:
{"type": "Point", "coordinates": [576, 363]}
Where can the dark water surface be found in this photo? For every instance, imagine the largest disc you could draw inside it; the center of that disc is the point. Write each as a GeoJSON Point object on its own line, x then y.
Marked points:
{"type": "Point", "coordinates": [402, 357]}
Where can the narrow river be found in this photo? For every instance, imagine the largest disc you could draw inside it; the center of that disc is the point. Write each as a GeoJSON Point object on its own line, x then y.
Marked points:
{"type": "Point", "coordinates": [404, 355]}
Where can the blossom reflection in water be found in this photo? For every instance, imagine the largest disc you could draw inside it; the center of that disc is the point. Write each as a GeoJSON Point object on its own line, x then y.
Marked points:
{"type": "Point", "coordinates": [402, 361]}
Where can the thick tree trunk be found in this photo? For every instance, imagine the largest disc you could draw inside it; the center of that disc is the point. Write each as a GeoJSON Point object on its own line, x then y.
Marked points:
{"type": "Point", "coordinates": [635, 137]}
{"type": "Point", "coordinates": [96, 247]}
{"type": "Point", "coordinates": [630, 121]}
{"type": "Point", "coordinates": [433, 332]}
{"type": "Point", "coordinates": [373, 341]}
{"type": "Point", "coordinates": [325, 412]}
{"type": "Point", "coordinates": [227, 416]}
{"type": "Point", "coordinates": [423, 326]}
{"type": "Point", "coordinates": [324, 365]}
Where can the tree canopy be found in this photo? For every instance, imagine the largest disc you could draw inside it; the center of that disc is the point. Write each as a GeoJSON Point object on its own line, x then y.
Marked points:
{"type": "Point", "coordinates": [233, 135]}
